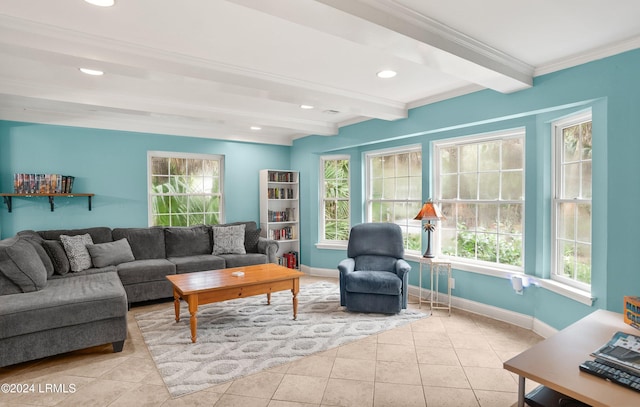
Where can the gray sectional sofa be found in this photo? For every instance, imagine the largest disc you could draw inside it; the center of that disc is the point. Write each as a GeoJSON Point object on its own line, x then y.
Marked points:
{"type": "Point", "coordinates": [47, 308]}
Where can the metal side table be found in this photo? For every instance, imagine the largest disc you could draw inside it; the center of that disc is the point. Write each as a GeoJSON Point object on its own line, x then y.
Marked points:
{"type": "Point", "coordinates": [436, 266]}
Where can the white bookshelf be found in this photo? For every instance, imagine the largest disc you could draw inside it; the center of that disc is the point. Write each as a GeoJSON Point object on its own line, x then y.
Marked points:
{"type": "Point", "coordinates": [280, 211]}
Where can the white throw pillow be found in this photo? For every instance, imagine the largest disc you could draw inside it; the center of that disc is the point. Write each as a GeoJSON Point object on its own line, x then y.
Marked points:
{"type": "Point", "coordinates": [76, 249]}
{"type": "Point", "coordinates": [228, 239]}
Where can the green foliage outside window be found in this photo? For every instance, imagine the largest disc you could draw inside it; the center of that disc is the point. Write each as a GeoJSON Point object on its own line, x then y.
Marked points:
{"type": "Point", "coordinates": [336, 199]}
{"type": "Point", "coordinates": [185, 191]}
{"type": "Point", "coordinates": [486, 247]}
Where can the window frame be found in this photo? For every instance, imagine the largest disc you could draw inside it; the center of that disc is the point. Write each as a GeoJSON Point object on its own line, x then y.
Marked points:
{"type": "Point", "coordinates": [368, 156]}
{"type": "Point", "coordinates": [483, 266]}
{"type": "Point", "coordinates": [557, 127]}
{"type": "Point", "coordinates": [323, 198]}
{"type": "Point", "coordinates": [197, 156]}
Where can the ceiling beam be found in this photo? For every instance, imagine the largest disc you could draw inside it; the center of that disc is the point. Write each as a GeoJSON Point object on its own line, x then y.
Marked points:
{"type": "Point", "coordinates": [403, 33]}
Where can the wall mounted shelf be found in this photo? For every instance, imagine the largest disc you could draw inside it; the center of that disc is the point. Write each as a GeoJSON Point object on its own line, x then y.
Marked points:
{"type": "Point", "coordinates": [8, 198]}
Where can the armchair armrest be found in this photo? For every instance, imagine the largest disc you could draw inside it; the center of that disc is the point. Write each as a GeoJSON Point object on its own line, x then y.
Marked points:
{"type": "Point", "coordinates": [268, 247]}
{"type": "Point", "coordinates": [347, 265]}
{"type": "Point", "coordinates": [402, 268]}
{"type": "Point", "coordinates": [344, 267]}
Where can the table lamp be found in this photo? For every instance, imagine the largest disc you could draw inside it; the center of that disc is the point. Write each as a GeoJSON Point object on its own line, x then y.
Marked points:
{"type": "Point", "coordinates": [429, 212]}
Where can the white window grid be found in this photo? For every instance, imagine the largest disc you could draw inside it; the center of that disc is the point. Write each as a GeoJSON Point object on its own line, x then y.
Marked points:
{"type": "Point", "coordinates": [401, 204]}
{"type": "Point", "coordinates": [324, 198]}
{"type": "Point", "coordinates": [456, 203]}
{"type": "Point", "coordinates": [190, 215]}
{"type": "Point", "coordinates": [558, 179]}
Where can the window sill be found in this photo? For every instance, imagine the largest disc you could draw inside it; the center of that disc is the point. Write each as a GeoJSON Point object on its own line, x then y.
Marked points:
{"type": "Point", "coordinates": [331, 245]}
{"type": "Point", "coordinates": [573, 293]}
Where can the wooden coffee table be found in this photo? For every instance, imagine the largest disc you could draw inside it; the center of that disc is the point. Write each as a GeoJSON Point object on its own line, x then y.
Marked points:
{"type": "Point", "coordinates": [205, 287]}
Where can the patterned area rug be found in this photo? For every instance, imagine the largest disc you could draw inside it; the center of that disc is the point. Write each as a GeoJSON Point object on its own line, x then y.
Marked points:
{"type": "Point", "coordinates": [244, 336]}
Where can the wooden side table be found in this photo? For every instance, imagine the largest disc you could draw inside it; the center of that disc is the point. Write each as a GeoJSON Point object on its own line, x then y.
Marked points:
{"type": "Point", "coordinates": [436, 266]}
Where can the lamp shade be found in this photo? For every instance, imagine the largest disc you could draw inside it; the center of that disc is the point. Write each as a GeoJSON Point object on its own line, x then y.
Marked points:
{"type": "Point", "coordinates": [429, 211]}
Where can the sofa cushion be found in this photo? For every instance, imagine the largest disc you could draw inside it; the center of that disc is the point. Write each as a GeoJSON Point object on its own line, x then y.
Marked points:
{"type": "Point", "coordinates": [241, 260]}
{"type": "Point", "coordinates": [228, 240]}
{"type": "Point", "coordinates": [64, 302]}
{"type": "Point", "coordinates": [76, 249]}
{"type": "Point", "coordinates": [58, 257]}
{"type": "Point", "coordinates": [187, 241]}
{"type": "Point", "coordinates": [146, 243]}
{"type": "Point", "coordinates": [36, 241]}
{"type": "Point", "coordinates": [373, 282]}
{"type": "Point", "coordinates": [21, 265]}
{"type": "Point", "coordinates": [202, 262]}
{"type": "Point", "coordinates": [110, 253]}
{"type": "Point", "coordinates": [144, 271]}
{"type": "Point", "coordinates": [251, 239]}
{"type": "Point", "coordinates": [98, 234]}
{"type": "Point", "coordinates": [376, 263]}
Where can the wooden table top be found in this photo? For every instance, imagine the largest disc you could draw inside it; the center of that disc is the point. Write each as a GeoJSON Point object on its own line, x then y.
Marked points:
{"type": "Point", "coordinates": [200, 281]}
{"type": "Point", "coordinates": [554, 362]}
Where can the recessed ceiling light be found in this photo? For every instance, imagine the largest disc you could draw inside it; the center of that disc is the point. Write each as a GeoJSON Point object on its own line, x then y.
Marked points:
{"type": "Point", "coordinates": [307, 107]}
{"type": "Point", "coordinates": [93, 72]}
{"type": "Point", "coordinates": [256, 128]}
{"type": "Point", "coordinates": [386, 74]}
{"type": "Point", "coordinates": [101, 3]}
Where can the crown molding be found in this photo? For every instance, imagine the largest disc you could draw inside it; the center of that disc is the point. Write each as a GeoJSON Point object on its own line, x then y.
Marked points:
{"type": "Point", "coordinates": [589, 56]}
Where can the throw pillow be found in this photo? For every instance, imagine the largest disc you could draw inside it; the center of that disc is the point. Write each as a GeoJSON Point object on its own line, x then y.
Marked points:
{"type": "Point", "coordinates": [58, 257]}
{"type": "Point", "coordinates": [251, 238]}
{"type": "Point", "coordinates": [110, 254]}
{"type": "Point", "coordinates": [76, 249]}
{"type": "Point", "coordinates": [36, 241]}
{"type": "Point", "coordinates": [228, 240]}
{"type": "Point", "coordinates": [187, 241]}
{"type": "Point", "coordinates": [21, 265]}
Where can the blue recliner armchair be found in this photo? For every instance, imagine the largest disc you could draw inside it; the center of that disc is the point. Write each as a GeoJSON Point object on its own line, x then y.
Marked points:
{"type": "Point", "coordinates": [375, 276]}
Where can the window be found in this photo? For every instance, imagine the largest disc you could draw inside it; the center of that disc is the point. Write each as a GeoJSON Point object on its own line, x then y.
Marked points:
{"type": "Point", "coordinates": [185, 189]}
{"type": "Point", "coordinates": [572, 202]}
{"type": "Point", "coordinates": [479, 183]}
{"type": "Point", "coordinates": [394, 191]}
{"type": "Point", "coordinates": [335, 218]}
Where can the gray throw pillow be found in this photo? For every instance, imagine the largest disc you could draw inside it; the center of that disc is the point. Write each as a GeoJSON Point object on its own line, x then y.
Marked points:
{"type": "Point", "coordinates": [42, 253]}
{"type": "Point", "coordinates": [76, 249]}
{"type": "Point", "coordinates": [21, 265]}
{"type": "Point", "coordinates": [58, 257]}
{"type": "Point", "coordinates": [251, 238]}
{"type": "Point", "coordinates": [228, 240]}
{"type": "Point", "coordinates": [110, 254]}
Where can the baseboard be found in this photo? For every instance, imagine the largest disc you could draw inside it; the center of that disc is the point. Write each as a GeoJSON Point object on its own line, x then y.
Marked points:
{"type": "Point", "coordinates": [500, 314]}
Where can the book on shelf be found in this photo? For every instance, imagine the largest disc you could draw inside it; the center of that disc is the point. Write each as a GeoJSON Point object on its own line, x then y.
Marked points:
{"type": "Point", "coordinates": [284, 233]}
{"type": "Point", "coordinates": [287, 215]}
{"type": "Point", "coordinates": [289, 260]}
{"type": "Point", "coordinates": [623, 349]}
{"type": "Point", "coordinates": [280, 176]}
{"type": "Point", "coordinates": [24, 183]}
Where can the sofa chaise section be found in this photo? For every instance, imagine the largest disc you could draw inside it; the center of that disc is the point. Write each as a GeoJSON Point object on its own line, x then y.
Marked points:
{"type": "Point", "coordinates": [42, 314]}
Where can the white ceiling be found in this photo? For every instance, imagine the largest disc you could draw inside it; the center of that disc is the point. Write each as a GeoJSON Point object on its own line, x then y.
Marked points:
{"type": "Point", "coordinates": [214, 68]}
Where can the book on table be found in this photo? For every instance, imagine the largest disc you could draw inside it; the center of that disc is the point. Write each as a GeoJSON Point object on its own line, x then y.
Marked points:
{"type": "Point", "coordinates": [623, 349]}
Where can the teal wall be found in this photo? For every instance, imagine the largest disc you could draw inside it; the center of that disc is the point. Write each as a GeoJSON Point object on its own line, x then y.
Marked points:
{"type": "Point", "coordinates": [112, 164]}
{"type": "Point", "coordinates": [609, 87]}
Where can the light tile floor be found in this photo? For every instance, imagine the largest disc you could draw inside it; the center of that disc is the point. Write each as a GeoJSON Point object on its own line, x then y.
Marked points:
{"type": "Point", "coordinates": [436, 362]}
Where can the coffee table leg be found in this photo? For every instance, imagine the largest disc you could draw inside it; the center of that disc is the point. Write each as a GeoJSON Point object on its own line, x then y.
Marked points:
{"type": "Point", "coordinates": [268, 298]}
{"type": "Point", "coordinates": [176, 303]}
{"type": "Point", "coordinates": [193, 308]}
{"type": "Point", "coordinates": [294, 291]}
